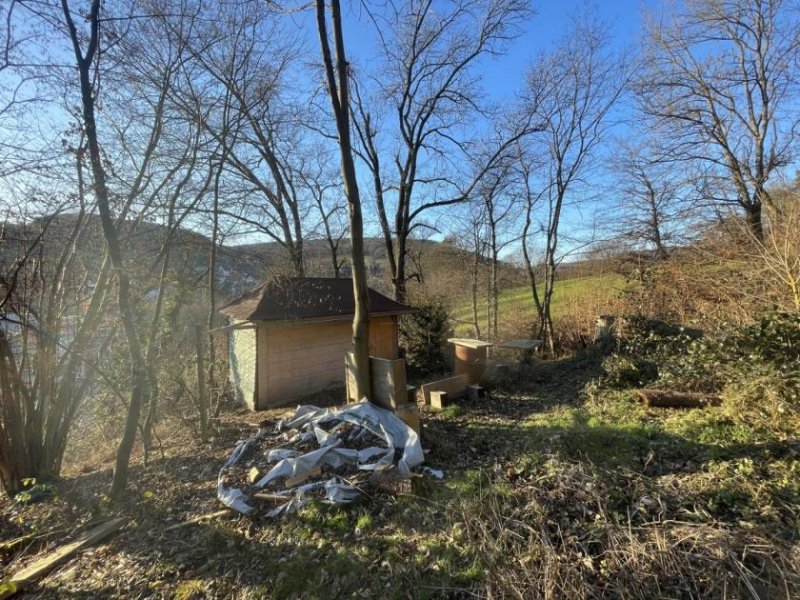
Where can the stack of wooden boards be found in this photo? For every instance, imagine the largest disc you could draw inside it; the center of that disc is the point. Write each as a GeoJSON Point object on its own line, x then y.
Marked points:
{"type": "Point", "coordinates": [389, 388]}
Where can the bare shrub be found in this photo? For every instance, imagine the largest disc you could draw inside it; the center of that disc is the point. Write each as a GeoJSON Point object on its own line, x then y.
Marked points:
{"type": "Point", "coordinates": [726, 278]}
{"type": "Point", "coordinates": [780, 255]}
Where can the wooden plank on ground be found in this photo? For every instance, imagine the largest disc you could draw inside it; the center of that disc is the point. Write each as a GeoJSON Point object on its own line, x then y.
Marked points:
{"type": "Point", "coordinates": [350, 378]}
{"type": "Point", "coordinates": [199, 518]}
{"type": "Point", "coordinates": [439, 400]}
{"type": "Point", "coordinates": [298, 479]}
{"type": "Point", "coordinates": [453, 387]}
{"type": "Point", "coordinates": [21, 579]}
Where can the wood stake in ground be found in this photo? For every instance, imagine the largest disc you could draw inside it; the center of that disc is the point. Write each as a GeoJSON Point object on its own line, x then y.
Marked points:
{"type": "Point", "coordinates": [20, 580]}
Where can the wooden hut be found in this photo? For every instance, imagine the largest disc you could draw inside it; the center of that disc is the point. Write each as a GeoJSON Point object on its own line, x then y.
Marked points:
{"type": "Point", "coordinates": [289, 337]}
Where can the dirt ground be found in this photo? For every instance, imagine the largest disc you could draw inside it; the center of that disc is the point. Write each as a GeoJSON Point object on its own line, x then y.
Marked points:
{"type": "Point", "coordinates": [547, 492]}
{"type": "Point", "coordinates": [179, 484]}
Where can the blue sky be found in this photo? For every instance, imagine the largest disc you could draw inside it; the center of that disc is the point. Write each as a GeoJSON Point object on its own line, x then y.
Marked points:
{"type": "Point", "coordinates": [503, 76]}
{"type": "Point", "coordinates": [551, 21]}
{"type": "Point", "coordinates": [546, 28]}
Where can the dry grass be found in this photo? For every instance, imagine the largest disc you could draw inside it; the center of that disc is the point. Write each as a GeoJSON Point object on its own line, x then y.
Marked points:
{"type": "Point", "coordinates": [725, 278]}
{"type": "Point", "coordinates": [576, 305]}
{"type": "Point", "coordinates": [557, 537]}
{"type": "Point", "coordinates": [554, 488]}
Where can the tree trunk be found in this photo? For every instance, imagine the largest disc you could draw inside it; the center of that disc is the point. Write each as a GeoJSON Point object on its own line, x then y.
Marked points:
{"type": "Point", "coordinates": [493, 286]}
{"type": "Point", "coordinates": [537, 304]}
{"type": "Point", "coordinates": [202, 395]}
{"type": "Point", "coordinates": [212, 275]}
{"type": "Point", "coordinates": [124, 300]}
{"type": "Point", "coordinates": [150, 358]}
{"type": "Point", "coordinates": [546, 316]}
{"type": "Point", "coordinates": [475, 271]}
{"type": "Point", "coordinates": [298, 263]}
{"type": "Point", "coordinates": [400, 269]}
{"type": "Point", "coordinates": [753, 218]}
{"type": "Point", "coordinates": [340, 102]}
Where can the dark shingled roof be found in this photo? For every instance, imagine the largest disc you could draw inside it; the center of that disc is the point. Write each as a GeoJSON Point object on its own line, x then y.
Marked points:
{"type": "Point", "coordinates": [289, 298]}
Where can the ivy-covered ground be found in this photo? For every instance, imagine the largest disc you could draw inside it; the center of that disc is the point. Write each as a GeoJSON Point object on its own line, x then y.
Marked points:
{"type": "Point", "coordinates": [559, 484]}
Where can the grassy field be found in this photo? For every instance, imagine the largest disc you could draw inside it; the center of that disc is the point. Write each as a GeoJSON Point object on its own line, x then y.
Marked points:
{"type": "Point", "coordinates": [516, 304]}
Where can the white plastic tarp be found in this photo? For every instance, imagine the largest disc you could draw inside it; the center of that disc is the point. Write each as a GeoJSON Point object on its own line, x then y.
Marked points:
{"type": "Point", "coordinates": [306, 420]}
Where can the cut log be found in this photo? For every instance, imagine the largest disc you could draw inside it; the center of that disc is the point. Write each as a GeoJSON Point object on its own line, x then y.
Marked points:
{"type": "Point", "coordinates": [21, 579]}
{"type": "Point", "coordinates": [670, 399]}
{"type": "Point", "coordinates": [298, 479]}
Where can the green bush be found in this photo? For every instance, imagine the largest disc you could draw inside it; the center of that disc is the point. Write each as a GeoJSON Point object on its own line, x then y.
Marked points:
{"type": "Point", "coordinates": [755, 368]}
{"type": "Point", "coordinates": [762, 364]}
{"type": "Point", "coordinates": [423, 337]}
{"type": "Point", "coordinates": [624, 371]}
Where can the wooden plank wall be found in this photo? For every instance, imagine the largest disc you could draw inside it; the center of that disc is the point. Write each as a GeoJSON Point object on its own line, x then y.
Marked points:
{"type": "Point", "coordinates": [383, 338]}
{"type": "Point", "coordinates": [295, 361]}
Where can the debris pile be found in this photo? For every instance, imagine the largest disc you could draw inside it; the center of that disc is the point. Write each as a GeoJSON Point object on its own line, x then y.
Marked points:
{"type": "Point", "coordinates": [327, 454]}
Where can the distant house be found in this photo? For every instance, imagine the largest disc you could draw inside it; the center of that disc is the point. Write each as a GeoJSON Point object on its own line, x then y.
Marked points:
{"type": "Point", "coordinates": [289, 337]}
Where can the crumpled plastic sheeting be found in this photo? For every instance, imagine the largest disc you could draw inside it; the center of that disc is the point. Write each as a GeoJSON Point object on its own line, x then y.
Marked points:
{"type": "Point", "coordinates": [233, 497]}
{"type": "Point", "coordinates": [383, 423]}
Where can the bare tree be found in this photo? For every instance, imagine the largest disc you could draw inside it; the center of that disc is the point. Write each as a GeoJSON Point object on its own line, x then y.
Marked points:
{"type": "Point", "coordinates": [499, 211]}
{"type": "Point", "coordinates": [654, 211]}
{"type": "Point", "coordinates": [322, 185]}
{"type": "Point", "coordinates": [720, 79]}
{"type": "Point", "coordinates": [240, 48]}
{"type": "Point", "coordinates": [337, 77]}
{"type": "Point", "coordinates": [475, 243]}
{"type": "Point", "coordinates": [427, 81]}
{"type": "Point", "coordinates": [571, 92]}
{"type": "Point", "coordinates": [531, 199]}
{"type": "Point", "coordinates": [50, 316]}
{"type": "Point", "coordinates": [86, 55]}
